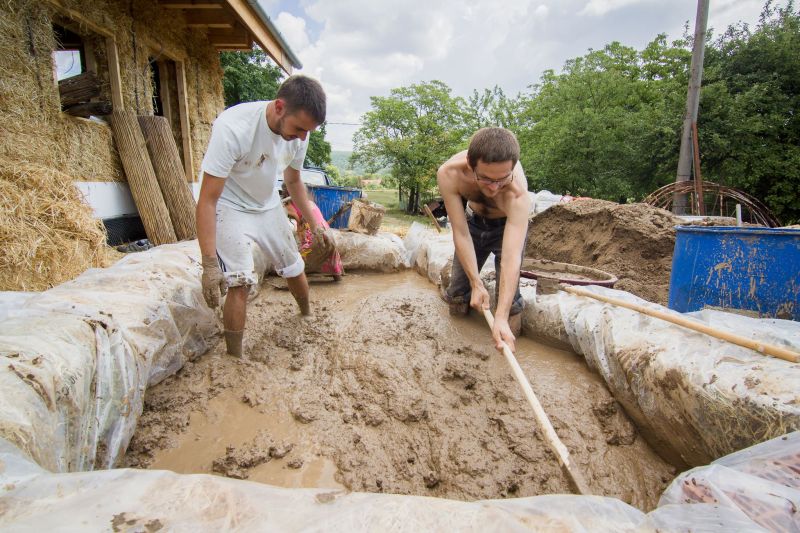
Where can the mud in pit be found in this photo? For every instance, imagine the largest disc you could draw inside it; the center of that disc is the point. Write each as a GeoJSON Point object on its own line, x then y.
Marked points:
{"type": "Point", "coordinates": [384, 392]}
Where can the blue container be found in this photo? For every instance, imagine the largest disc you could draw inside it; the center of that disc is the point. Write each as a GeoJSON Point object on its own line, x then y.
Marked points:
{"type": "Point", "coordinates": [755, 269]}
{"type": "Point", "coordinates": [329, 199]}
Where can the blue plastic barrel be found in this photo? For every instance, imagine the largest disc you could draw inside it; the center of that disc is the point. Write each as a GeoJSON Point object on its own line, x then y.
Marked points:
{"type": "Point", "coordinates": [329, 199]}
{"type": "Point", "coordinates": [753, 269]}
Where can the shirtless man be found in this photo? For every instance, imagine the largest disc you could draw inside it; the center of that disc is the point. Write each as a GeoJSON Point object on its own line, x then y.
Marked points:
{"type": "Point", "coordinates": [488, 175]}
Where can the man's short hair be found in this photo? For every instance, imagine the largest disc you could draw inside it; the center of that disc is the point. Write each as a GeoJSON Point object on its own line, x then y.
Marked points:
{"type": "Point", "coordinates": [493, 145]}
{"type": "Point", "coordinates": [301, 93]}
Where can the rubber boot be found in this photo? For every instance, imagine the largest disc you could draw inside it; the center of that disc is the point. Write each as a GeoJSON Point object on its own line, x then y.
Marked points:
{"type": "Point", "coordinates": [515, 324]}
{"type": "Point", "coordinates": [233, 342]}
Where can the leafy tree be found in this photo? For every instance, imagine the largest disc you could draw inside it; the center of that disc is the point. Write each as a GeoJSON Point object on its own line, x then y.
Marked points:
{"type": "Point", "coordinates": [749, 125]}
{"type": "Point", "coordinates": [608, 126]}
{"type": "Point", "coordinates": [413, 130]}
{"type": "Point", "coordinates": [251, 76]}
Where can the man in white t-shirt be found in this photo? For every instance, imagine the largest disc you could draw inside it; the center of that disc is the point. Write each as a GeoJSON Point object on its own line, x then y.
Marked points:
{"type": "Point", "coordinates": [239, 212]}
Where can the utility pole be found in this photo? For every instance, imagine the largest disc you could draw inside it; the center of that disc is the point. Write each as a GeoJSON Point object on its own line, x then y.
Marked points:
{"type": "Point", "coordinates": [692, 103]}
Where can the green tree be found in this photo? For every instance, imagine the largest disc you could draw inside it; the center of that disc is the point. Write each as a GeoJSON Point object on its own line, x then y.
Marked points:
{"type": "Point", "coordinates": [319, 150]}
{"type": "Point", "coordinates": [251, 76]}
{"type": "Point", "coordinates": [608, 126]}
{"type": "Point", "coordinates": [749, 125]}
{"type": "Point", "coordinates": [413, 130]}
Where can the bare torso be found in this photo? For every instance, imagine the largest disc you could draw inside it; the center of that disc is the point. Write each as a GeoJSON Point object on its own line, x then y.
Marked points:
{"type": "Point", "coordinates": [463, 179]}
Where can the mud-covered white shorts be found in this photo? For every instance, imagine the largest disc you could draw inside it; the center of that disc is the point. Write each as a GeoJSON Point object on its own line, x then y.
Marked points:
{"type": "Point", "coordinates": [250, 243]}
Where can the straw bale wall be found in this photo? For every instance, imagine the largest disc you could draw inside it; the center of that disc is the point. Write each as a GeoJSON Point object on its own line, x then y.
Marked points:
{"type": "Point", "coordinates": [32, 126]}
{"type": "Point", "coordinates": [50, 236]}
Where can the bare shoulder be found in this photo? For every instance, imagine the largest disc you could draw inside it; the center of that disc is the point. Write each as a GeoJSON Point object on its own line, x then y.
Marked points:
{"type": "Point", "coordinates": [451, 170]}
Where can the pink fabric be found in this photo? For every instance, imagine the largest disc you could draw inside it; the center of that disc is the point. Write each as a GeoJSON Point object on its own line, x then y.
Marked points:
{"type": "Point", "coordinates": [333, 265]}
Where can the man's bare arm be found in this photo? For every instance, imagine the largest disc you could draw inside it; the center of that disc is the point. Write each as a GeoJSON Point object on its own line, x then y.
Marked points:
{"type": "Point", "coordinates": [297, 190]}
{"type": "Point", "coordinates": [206, 213]}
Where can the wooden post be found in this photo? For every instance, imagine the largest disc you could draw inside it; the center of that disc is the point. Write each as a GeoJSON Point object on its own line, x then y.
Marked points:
{"type": "Point", "coordinates": [186, 128]}
{"type": "Point", "coordinates": [114, 76]}
{"type": "Point", "coordinates": [698, 178]}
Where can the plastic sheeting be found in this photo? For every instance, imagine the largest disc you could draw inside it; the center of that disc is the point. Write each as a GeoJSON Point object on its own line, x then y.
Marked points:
{"type": "Point", "coordinates": [75, 360]}
{"type": "Point", "coordinates": [743, 492]}
{"type": "Point", "coordinates": [383, 252]}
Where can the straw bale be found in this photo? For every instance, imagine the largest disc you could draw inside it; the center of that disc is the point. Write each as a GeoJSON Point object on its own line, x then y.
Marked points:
{"type": "Point", "coordinates": [47, 231]}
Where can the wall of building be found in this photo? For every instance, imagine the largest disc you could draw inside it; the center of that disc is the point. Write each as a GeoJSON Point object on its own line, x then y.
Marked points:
{"type": "Point", "coordinates": [33, 128]}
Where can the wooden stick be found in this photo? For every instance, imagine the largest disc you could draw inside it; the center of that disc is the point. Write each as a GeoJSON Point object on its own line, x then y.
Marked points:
{"type": "Point", "coordinates": [435, 222]}
{"type": "Point", "coordinates": [760, 347]}
{"type": "Point", "coordinates": [550, 436]}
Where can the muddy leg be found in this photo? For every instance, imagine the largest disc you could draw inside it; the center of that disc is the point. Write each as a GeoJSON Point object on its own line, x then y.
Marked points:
{"type": "Point", "coordinates": [233, 317]}
{"type": "Point", "coordinates": [298, 286]}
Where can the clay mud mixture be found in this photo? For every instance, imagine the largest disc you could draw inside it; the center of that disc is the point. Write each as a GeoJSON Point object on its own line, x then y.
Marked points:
{"type": "Point", "coordinates": [384, 392]}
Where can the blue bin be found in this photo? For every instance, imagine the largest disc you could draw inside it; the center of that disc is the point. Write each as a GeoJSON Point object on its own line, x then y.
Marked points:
{"type": "Point", "coordinates": [754, 269]}
{"type": "Point", "coordinates": [329, 199]}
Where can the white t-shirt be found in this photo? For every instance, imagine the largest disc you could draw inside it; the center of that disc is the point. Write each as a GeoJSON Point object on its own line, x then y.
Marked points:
{"type": "Point", "coordinates": [250, 156]}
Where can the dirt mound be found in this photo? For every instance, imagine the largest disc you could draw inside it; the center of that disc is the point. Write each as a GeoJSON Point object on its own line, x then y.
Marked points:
{"type": "Point", "coordinates": [400, 398]}
{"type": "Point", "coordinates": [632, 241]}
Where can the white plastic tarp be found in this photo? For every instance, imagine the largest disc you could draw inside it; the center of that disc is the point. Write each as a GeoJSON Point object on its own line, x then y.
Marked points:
{"type": "Point", "coordinates": [75, 360]}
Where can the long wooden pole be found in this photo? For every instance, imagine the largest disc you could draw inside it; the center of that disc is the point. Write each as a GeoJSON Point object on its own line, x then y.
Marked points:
{"type": "Point", "coordinates": [760, 347]}
{"type": "Point", "coordinates": [433, 218]}
{"type": "Point", "coordinates": [550, 435]}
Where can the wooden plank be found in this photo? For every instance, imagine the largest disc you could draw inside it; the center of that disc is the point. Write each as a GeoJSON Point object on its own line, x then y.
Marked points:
{"type": "Point", "coordinates": [77, 16]}
{"type": "Point", "coordinates": [237, 37]}
{"type": "Point", "coordinates": [114, 76]}
{"type": "Point", "coordinates": [186, 128]}
{"type": "Point", "coordinates": [209, 19]}
{"type": "Point", "coordinates": [267, 41]}
{"type": "Point", "coordinates": [163, 89]}
{"type": "Point", "coordinates": [88, 109]}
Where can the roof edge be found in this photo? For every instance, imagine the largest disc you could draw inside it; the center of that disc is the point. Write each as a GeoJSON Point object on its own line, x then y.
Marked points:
{"type": "Point", "coordinates": [277, 34]}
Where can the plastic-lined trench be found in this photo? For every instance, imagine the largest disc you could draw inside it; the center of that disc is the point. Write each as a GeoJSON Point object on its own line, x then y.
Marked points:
{"type": "Point", "coordinates": [383, 391]}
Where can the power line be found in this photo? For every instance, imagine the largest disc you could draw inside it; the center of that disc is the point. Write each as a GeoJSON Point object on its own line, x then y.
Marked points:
{"type": "Point", "coordinates": [346, 123]}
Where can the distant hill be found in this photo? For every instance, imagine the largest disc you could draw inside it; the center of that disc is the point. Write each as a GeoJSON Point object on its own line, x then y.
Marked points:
{"type": "Point", "coordinates": [341, 160]}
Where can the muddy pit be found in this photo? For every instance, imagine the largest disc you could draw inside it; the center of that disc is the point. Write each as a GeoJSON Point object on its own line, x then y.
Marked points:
{"type": "Point", "coordinates": [384, 392]}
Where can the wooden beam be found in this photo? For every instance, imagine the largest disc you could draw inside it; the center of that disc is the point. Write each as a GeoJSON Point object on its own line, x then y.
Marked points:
{"type": "Point", "coordinates": [77, 16]}
{"type": "Point", "coordinates": [267, 41]}
{"type": "Point", "coordinates": [190, 4]}
{"type": "Point", "coordinates": [209, 19]}
{"type": "Point", "coordinates": [113, 74]}
{"type": "Point", "coordinates": [186, 128]}
{"type": "Point", "coordinates": [163, 89]}
{"type": "Point", "coordinates": [235, 38]}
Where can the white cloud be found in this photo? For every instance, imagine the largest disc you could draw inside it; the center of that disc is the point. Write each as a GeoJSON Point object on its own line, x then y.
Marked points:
{"type": "Point", "coordinates": [363, 48]}
{"type": "Point", "coordinates": [601, 7]}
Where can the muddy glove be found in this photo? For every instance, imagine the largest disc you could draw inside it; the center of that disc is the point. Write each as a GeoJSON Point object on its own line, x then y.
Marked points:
{"type": "Point", "coordinates": [322, 246]}
{"type": "Point", "coordinates": [213, 282]}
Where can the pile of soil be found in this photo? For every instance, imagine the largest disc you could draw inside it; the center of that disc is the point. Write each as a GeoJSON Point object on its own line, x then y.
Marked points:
{"type": "Point", "coordinates": [634, 242]}
{"type": "Point", "coordinates": [401, 398]}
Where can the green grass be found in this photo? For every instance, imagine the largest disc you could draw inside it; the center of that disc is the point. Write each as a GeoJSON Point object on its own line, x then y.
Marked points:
{"type": "Point", "coordinates": [395, 220]}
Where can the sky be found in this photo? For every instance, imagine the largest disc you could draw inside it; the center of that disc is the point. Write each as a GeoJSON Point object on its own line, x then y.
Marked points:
{"type": "Point", "coordinates": [363, 48]}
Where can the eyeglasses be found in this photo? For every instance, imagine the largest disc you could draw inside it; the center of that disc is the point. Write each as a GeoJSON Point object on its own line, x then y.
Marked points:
{"type": "Point", "coordinates": [489, 181]}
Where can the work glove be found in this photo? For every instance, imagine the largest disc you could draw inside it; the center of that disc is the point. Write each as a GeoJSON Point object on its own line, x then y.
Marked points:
{"type": "Point", "coordinates": [322, 246]}
{"type": "Point", "coordinates": [212, 281]}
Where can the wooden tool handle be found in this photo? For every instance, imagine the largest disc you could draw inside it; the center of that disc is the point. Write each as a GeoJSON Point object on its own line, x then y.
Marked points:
{"type": "Point", "coordinates": [435, 222]}
{"type": "Point", "coordinates": [550, 436]}
{"type": "Point", "coordinates": [760, 347]}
